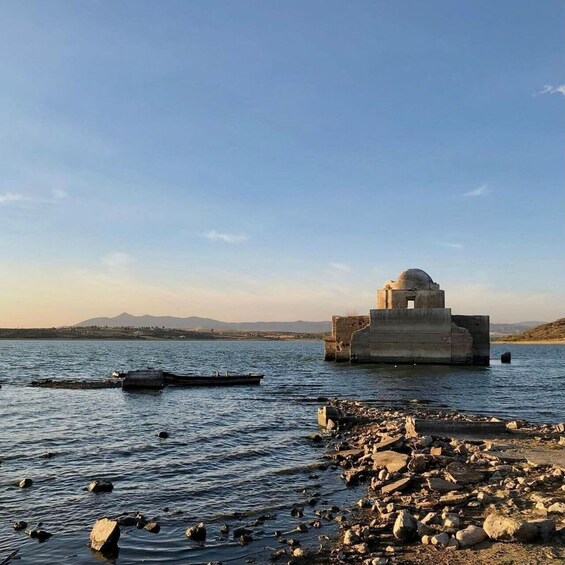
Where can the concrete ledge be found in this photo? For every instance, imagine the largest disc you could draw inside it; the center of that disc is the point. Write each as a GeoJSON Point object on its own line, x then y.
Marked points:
{"type": "Point", "coordinates": [418, 427]}
{"type": "Point", "coordinates": [326, 413]}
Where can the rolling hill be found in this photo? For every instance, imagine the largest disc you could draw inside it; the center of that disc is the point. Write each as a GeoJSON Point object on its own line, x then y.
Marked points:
{"type": "Point", "coordinates": [512, 329]}
{"type": "Point", "coordinates": [550, 331]}
{"type": "Point", "coordinates": [196, 323]}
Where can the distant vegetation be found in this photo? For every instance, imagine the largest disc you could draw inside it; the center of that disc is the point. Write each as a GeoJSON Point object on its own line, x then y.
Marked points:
{"type": "Point", "coordinates": [543, 332]}
{"type": "Point", "coordinates": [145, 333]}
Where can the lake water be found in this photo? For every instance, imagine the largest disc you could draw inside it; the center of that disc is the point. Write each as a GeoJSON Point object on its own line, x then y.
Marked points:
{"type": "Point", "coordinates": [242, 449]}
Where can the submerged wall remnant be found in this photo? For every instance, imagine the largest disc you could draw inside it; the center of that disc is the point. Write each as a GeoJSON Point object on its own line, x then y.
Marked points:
{"type": "Point", "coordinates": [410, 325]}
{"type": "Point", "coordinates": [338, 346]}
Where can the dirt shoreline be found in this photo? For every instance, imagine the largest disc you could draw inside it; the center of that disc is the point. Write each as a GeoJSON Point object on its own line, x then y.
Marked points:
{"type": "Point", "coordinates": [444, 498]}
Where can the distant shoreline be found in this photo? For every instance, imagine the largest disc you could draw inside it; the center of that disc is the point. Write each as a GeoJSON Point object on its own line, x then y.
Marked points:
{"type": "Point", "coordinates": [532, 342]}
{"type": "Point", "coordinates": [148, 334]}
{"type": "Point", "coordinates": [159, 339]}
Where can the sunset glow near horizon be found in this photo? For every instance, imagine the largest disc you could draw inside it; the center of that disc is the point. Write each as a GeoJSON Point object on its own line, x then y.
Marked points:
{"type": "Point", "coordinates": [258, 161]}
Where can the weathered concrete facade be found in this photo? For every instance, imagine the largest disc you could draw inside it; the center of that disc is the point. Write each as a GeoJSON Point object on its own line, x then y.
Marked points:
{"type": "Point", "coordinates": [338, 347]}
{"type": "Point", "coordinates": [410, 325]}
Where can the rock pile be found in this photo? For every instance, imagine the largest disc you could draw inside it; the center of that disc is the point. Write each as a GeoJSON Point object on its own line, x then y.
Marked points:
{"type": "Point", "coordinates": [437, 490]}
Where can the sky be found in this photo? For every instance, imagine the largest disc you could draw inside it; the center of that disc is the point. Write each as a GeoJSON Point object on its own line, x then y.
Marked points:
{"type": "Point", "coordinates": [251, 160]}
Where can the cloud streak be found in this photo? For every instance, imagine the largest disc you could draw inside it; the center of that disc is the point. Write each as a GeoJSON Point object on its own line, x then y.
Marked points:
{"type": "Point", "coordinates": [549, 89]}
{"type": "Point", "coordinates": [11, 197]}
{"type": "Point", "coordinates": [453, 245]}
{"type": "Point", "coordinates": [341, 267]}
{"type": "Point", "coordinates": [214, 235]}
{"type": "Point", "coordinates": [483, 189]}
{"type": "Point", "coordinates": [59, 194]}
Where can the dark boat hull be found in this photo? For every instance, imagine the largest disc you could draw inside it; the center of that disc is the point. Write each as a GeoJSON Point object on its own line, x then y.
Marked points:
{"type": "Point", "coordinates": [205, 380]}
{"type": "Point", "coordinates": [157, 379]}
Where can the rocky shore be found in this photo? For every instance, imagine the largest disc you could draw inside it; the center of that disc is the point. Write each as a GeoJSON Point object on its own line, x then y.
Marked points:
{"type": "Point", "coordinates": [472, 490]}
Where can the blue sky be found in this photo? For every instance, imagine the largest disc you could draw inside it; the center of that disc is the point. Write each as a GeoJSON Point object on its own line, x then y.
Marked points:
{"type": "Point", "coordinates": [279, 160]}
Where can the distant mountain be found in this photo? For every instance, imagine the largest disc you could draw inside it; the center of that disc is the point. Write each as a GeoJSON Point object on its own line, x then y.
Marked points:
{"type": "Point", "coordinates": [552, 330]}
{"type": "Point", "coordinates": [126, 320]}
{"type": "Point", "coordinates": [196, 323]}
{"type": "Point", "coordinates": [512, 329]}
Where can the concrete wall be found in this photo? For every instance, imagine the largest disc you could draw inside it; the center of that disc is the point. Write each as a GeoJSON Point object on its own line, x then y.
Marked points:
{"type": "Point", "coordinates": [329, 348]}
{"type": "Point", "coordinates": [382, 299]}
{"type": "Point", "coordinates": [410, 336]}
{"type": "Point", "coordinates": [344, 327]}
{"type": "Point", "coordinates": [398, 299]}
{"type": "Point", "coordinates": [479, 328]}
{"type": "Point", "coordinates": [361, 346]}
{"type": "Point", "coordinates": [338, 346]}
{"type": "Point", "coordinates": [425, 335]}
{"type": "Point", "coordinates": [461, 346]}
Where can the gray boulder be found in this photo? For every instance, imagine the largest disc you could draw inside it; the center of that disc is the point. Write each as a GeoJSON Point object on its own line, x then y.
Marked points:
{"type": "Point", "coordinates": [503, 528]}
{"type": "Point", "coordinates": [441, 540]}
{"type": "Point", "coordinates": [405, 527]}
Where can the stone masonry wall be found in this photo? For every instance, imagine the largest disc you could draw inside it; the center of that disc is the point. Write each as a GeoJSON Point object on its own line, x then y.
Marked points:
{"type": "Point", "coordinates": [343, 328]}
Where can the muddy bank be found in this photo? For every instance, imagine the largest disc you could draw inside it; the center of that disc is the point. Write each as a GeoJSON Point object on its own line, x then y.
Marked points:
{"type": "Point", "coordinates": [469, 490]}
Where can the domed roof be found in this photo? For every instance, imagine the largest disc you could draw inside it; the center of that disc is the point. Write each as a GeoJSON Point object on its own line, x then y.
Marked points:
{"type": "Point", "coordinates": [413, 279]}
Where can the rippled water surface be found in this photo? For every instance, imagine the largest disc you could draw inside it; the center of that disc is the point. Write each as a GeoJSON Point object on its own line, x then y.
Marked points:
{"type": "Point", "coordinates": [241, 449]}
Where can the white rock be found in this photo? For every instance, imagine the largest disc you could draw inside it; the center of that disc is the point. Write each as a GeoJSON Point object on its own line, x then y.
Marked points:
{"type": "Point", "coordinates": [105, 535]}
{"type": "Point", "coordinates": [471, 535]}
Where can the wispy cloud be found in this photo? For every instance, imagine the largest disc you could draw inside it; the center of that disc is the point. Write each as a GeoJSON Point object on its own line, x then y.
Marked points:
{"type": "Point", "coordinates": [548, 89]}
{"type": "Point", "coordinates": [342, 267]}
{"type": "Point", "coordinates": [477, 191]}
{"type": "Point", "coordinates": [214, 235]}
{"type": "Point", "coordinates": [11, 197]}
{"type": "Point", "coordinates": [116, 259]}
{"type": "Point", "coordinates": [56, 195]}
{"type": "Point", "coordinates": [452, 245]}
{"type": "Point", "coordinates": [59, 194]}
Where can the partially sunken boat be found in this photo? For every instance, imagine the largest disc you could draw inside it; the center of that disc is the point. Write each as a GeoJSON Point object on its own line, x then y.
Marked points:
{"type": "Point", "coordinates": [158, 379]}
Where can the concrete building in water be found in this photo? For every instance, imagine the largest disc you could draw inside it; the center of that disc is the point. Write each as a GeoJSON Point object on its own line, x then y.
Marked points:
{"type": "Point", "coordinates": [410, 325]}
